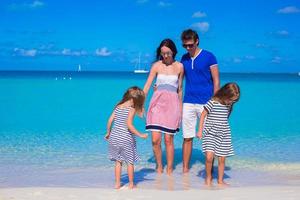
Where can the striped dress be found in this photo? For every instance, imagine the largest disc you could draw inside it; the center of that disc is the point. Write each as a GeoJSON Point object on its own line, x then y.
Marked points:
{"type": "Point", "coordinates": [217, 134]}
{"type": "Point", "coordinates": [122, 144]}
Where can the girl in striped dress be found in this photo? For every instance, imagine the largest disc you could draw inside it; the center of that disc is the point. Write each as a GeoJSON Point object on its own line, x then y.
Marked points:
{"type": "Point", "coordinates": [217, 135]}
{"type": "Point", "coordinates": [121, 137]}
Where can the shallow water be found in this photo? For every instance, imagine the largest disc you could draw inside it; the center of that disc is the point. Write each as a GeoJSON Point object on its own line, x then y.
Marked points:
{"type": "Point", "coordinates": [52, 126]}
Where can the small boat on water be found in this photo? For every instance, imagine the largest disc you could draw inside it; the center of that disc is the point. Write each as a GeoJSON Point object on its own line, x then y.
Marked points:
{"type": "Point", "coordinates": [138, 68]}
{"type": "Point", "coordinates": [140, 71]}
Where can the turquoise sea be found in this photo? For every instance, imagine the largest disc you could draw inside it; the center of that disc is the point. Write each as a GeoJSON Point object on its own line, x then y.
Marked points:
{"type": "Point", "coordinates": [52, 126]}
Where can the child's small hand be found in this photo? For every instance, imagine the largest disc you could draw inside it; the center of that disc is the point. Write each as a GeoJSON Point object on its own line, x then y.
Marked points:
{"type": "Point", "coordinates": [106, 136]}
{"type": "Point", "coordinates": [154, 87]}
{"type": "Point", "coordinates": [144, 136]}
{"type": "Point", "coordinates": [199, 134]}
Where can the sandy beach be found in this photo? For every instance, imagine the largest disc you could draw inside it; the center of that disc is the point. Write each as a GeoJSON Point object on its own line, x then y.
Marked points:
{"type": "Point", "coordinates": [89, 184]}
{"type": "Point", "coordinates": [44, 193]}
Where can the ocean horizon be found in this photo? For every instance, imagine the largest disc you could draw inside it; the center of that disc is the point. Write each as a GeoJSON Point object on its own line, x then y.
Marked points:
{"type": "Point", "coordinates": [132, 71]}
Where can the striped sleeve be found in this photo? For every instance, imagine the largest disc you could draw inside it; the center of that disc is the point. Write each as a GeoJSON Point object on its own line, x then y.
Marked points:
{"type": "Point", "coordinates": [208, 106]}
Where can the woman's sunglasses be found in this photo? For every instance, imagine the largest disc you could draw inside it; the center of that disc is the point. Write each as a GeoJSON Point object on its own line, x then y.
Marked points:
{"type": "Point", "coordinates": [169, 53]}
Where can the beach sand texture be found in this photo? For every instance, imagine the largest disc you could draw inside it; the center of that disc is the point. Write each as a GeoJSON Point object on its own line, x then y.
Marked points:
{"type": "Point", "coordinates": [265, 192]}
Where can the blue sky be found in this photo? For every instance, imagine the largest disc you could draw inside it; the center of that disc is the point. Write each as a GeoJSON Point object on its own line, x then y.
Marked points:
{"type": "Point", "coordinates": [245, 36]}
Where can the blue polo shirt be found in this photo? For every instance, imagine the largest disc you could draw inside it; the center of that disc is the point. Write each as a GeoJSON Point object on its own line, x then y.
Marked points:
{"type": "Point", "coordinates": [198, 79]}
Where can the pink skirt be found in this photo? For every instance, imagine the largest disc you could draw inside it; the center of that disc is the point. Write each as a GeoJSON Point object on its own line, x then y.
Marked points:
{"type": "Point", "coordinates": [164, 112]}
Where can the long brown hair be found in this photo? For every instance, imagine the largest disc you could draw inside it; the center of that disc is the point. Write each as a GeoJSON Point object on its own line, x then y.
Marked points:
{"type": "Point", "coordinates": [138, 97]}
{"type": "Point", "coordinates": [228, 94]}
{"type": "Point", "coordinates": [167, 43]}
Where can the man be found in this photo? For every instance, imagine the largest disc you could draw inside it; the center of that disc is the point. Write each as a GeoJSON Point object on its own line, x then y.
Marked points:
{"type": "Point", "coordinates": [201, 82]}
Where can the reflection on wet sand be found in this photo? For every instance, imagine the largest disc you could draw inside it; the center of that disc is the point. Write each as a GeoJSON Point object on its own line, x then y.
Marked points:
{"type": "Point", "coordinates": [163, 182]}
{"type": "Point", "coordinates": [186, 182]}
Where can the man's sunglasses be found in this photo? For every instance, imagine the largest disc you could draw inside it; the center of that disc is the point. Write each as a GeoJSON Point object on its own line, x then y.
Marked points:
{"type": "Point", "coordinates": [188, 45]}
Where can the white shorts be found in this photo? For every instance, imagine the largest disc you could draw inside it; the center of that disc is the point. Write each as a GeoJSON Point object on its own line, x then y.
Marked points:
{"type": "Point", "coordinates": [191, 114]}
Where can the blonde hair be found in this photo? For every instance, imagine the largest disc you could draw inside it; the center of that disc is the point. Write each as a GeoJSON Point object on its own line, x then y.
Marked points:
{"type": "Point", "coordinates": [228, 94]}
{"type": "Point", "coordinates": [138, 97]}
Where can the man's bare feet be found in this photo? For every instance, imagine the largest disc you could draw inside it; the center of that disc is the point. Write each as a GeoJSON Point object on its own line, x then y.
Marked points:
{"type": "Point", "coordinates": [159, 169]}
{"type": "Point", "coordinates": [131, 186]}
{"type": "Point", "coordinates": [169, 171]}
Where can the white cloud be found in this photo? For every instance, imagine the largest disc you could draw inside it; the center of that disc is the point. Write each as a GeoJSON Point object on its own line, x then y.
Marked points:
{"type": "Point", "coordinates": [25, 52]}
{"type": "Point", "coordinates": [26, 6]}
{"type": "Point", "coordinates": [288, 10]}
{"type": "Point", "coordinates": [199, 14]}
{"type": "Point", "coordinates": [164, 4]}
{"type": "Point", "coordinates": [103, 52]}
{"type": "Point", "coordinates": [283, 33]}
{"type": "Point", "coordinates": [142, 1]}
{"type": "Point", "coordinates": [69, 52]}
{"type": "Point", "coordinates": [46, 50]}
{"type": "Point", "coordinates": [201, 26]}
{"type": "Point", "coordinates": [50, 52]}
{"type": "Point", "coordinates": [250, 57]}
{"type": "Point", "coordinates": [259, 45]}
{"type": "Point", "coordinates": [276, 59]}
{"type": "Point", "coordinates": [237, 60]}
{"type": "Point", "coordinates": [66, 52]}
{"type": "Point", "coordinates": [46, 46]}
{"type": "Point", "coordinates": [36, 4]}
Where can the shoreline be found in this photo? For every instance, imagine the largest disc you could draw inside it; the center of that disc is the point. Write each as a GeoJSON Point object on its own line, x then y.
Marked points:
{"type": "Point", "coordinates": [45, 193]}
{"type": "Point", "coordinates": [145, 178]}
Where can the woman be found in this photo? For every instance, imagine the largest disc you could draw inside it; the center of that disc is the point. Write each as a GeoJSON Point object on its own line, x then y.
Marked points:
{"type": "Point", "coordinates": [164, 112]}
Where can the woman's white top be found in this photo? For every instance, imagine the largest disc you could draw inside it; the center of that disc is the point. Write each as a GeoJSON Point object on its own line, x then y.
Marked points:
{"type": "Point", "coordinates": [169, 79]}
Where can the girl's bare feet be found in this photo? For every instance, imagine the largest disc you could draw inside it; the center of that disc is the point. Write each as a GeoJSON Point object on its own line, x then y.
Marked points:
{"type": "Point", "coordinates": [223, 184]}
{"type": "Point", "coordinates": [117, 186]}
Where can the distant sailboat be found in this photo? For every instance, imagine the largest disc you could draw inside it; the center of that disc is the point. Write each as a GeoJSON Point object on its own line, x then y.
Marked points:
{"type": "Point", "coordinates": [79, 68]}
{"type": "Point", "coordinates": [138, 69]}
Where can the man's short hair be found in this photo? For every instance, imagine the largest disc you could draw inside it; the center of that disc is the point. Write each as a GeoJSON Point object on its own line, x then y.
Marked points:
{"type": "Point", "coordinates": [189, 34]}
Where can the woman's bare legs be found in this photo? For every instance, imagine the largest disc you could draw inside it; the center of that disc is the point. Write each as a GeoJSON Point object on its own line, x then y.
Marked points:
{"type": "Point", "coordinates": [118, 170]}
{"type": "Point", "coordinates": [156, 145]}
{"type": "Point", "coordinates": [169, 142]}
